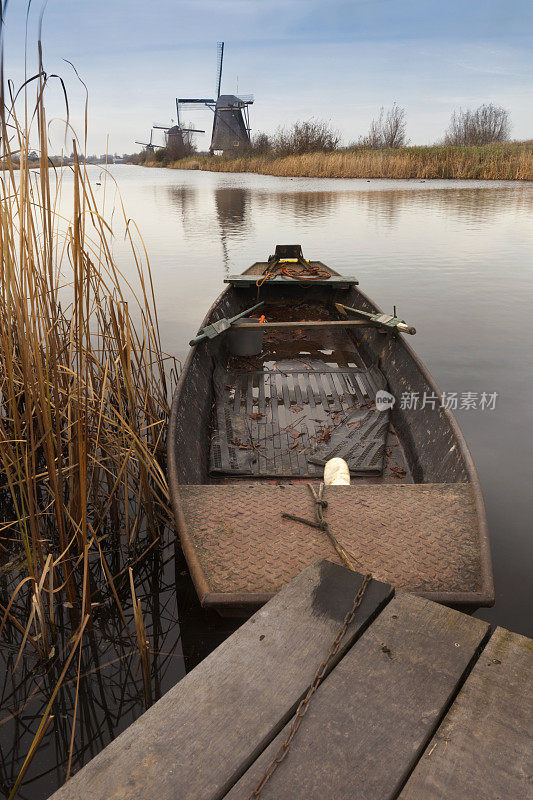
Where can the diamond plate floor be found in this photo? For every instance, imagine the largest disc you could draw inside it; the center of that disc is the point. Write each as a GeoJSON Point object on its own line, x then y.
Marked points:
{"type": "Point", "coordinates": [421, 537]}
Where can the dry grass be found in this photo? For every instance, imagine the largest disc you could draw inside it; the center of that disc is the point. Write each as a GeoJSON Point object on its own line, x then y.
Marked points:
{"type": "Point", "coordinates": [491, 162]}
{"type": "Point", "coordinates": [83, 405]}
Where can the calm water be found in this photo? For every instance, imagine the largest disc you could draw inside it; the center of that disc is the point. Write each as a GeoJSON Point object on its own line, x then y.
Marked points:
{"type": "Point", "coordinates": [455, 258]}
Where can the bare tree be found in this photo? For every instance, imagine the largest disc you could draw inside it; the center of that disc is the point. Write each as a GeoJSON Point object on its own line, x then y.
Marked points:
{"type": "Point", "coordinates": [483, 125]}
{"type": "Point", "coordinates": [309, 136]}
{"type": "Point", "coordinates": [261, 144]}
{"type": "Point", "coordinates": [388, 130]}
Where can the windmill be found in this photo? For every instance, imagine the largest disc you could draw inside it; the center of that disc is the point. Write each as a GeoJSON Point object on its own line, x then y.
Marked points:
{"type": "Point", "coordinates": [149, 146]}
{"type": "Point", "coordinates": [231, 121]}
{"type": "Point", "coordinates": [177, 138]}
{"type": "Point", "coordinates": [174, 133]}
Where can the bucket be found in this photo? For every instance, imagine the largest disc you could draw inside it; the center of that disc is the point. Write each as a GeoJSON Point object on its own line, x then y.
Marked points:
{"type": "Point", "coordinates": [245, 342]}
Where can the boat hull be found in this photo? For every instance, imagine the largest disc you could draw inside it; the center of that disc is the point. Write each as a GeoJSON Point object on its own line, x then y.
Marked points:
{"type": "Point", "coordinates": [436, 455]}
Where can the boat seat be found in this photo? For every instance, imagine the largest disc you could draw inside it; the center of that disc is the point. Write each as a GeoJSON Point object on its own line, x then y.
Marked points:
{"type": "Point", "coordinates": [420, 537]}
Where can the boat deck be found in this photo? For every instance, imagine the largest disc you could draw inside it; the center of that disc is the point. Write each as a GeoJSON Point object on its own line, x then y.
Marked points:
{"type": "Point", "coordinates": [420, 537]}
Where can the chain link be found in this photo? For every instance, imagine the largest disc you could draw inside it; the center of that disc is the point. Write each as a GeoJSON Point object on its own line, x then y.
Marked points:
{"type": "Point", "coordinates": [317, 680]}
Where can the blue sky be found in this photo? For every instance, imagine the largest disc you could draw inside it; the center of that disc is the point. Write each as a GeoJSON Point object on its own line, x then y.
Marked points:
{"type": "Point", "coordinates": [338, 60]}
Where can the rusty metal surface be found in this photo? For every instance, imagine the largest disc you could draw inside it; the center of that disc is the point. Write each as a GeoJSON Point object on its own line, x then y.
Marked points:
{"type": "Point", "coordinates": [420, 537]}
{"type": "Point", "coordinates": [288, 422]}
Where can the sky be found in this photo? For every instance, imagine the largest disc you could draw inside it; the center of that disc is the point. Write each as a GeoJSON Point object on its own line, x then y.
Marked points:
{"type": "Point", "coordinates": [337, 60]}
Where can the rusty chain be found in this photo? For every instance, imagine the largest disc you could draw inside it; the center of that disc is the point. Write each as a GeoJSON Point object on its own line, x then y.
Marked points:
{"type": "Point", "coordinates": [317, 680]}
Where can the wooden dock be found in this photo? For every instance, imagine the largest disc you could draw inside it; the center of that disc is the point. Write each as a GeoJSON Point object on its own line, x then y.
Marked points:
{"type": "Point", "coordinates": [420, 703]}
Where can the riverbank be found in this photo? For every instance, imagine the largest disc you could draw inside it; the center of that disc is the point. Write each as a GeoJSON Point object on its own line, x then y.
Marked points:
{"type": "Point", "coordinates": [513, 162]}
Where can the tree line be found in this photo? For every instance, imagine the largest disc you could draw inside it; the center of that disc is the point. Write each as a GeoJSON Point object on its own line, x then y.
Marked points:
{"type": "Point", "coordinates": [487, 124]}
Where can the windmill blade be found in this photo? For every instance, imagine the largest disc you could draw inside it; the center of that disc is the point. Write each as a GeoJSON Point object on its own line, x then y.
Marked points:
{"type": "Point", "coordinates": [220, 57]}
{"type": "Point", "coordinates": [191, 101]}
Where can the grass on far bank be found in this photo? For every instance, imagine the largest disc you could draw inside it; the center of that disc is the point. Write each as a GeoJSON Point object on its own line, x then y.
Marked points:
{"type": "Point", "coordinates": [512, 161]}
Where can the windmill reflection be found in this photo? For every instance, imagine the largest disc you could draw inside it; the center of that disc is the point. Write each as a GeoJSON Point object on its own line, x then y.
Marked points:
{"type": "Point", "coordinates": [184, 198]}
{"type": "Point", "coordinates": [232, 205]}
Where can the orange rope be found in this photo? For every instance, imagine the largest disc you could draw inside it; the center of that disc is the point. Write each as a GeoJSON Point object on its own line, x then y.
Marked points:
{"type": "Point", "coordinates": [304, 272]}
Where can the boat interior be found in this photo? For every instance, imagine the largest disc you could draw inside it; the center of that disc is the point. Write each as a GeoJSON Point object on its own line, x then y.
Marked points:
{"type": "Point", "coordinates": [307, 396]}
{"type": "Point", "coordinates": [248, 431]}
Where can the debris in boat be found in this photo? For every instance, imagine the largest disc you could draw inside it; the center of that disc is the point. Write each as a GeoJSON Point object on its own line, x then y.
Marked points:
{"type": "Point", "coordinates": [398, 472]}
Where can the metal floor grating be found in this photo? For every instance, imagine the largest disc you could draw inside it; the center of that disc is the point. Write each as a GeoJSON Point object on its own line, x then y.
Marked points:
{"type": "Point", "coordinates": [286, 423]}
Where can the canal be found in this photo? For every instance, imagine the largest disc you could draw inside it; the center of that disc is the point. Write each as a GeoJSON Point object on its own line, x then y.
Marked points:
{"type": "Point", "coordinates": [455, 257]}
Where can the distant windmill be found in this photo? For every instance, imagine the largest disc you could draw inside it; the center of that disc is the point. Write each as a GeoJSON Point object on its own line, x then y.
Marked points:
{"type": "Point", "coordinates": [231, 122]}
{"type": "Point", "coordinates": [176, 136]}
{"type": "Point", "coordinates": [149, 146]}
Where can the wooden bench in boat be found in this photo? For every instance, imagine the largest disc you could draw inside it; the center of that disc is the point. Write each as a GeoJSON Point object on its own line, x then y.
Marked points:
{"type": "Point", "coordinates": [420, 537]}
{"type": "Point", "coordinates": [418, 704]}
{"type": "Point", "coordinates": [253, 273]}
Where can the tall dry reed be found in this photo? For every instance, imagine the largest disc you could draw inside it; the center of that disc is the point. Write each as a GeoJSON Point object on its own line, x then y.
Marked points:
{"type": "Point", "coordinates": [490, 162]}
{"type": "Point", "coordinates": [83, 403]}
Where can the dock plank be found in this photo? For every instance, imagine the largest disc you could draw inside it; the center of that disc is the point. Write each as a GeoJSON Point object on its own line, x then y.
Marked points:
{"type": "Point", "coordinates": [373, 715]}
{"type": "Point", "coordinates": [205, 732]}
{"type": "Point", "coordinates": [484, 747]}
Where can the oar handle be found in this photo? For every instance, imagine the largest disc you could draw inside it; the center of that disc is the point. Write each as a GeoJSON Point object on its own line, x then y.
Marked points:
{"type": "Point", "coordinates": [404, 328]}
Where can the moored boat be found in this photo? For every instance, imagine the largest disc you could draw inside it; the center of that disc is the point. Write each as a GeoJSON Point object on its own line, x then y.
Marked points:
{"type": "Point", "coordinates": [265, 401]}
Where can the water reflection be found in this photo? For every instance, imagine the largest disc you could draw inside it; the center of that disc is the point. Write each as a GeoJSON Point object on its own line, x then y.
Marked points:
{"type": "Point", "coordinates": [232, 209]}
{"type": "Point", "coordinates": [305, 205]}
{"type": "Point", "coordinates": [111, 694]}
{"type": "Point", "coordinates": [475, 206]}
{"type": "Point", "coordinates": [184, 199]}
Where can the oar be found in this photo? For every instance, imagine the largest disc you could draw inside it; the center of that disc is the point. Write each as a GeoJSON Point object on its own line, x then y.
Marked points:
{"type": "Point", "coordinates": [221, 325]}
{"type": "Point", "coordinates": [383, 320]}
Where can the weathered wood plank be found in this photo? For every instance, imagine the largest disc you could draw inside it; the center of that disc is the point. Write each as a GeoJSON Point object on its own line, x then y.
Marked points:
{"type": "Point", "coordinates": [339, 281]}
{"type": "Point", "coordinates": [483, 748]}
{"type": "Point", "coordinates": [205, 732]}
{"type": "Point", "coordinates": [370, 719]}
{"type": "Point", "coordinates": [325, 323]}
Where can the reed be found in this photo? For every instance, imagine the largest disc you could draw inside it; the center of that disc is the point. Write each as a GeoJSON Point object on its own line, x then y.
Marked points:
{"type": "Point", "coordinates": [83, 403]}
{"type": "Point", "coordinates": [513, 161]}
